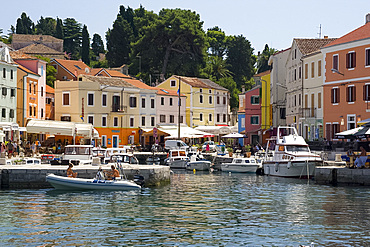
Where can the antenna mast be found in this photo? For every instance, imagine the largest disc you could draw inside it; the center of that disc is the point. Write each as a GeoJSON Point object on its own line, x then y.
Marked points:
{"type": "Point", "coordinates": [319, 33]}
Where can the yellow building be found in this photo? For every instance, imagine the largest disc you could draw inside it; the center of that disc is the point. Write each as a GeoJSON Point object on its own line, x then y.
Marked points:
{"type": "Point", "coordinates": [207, 103]}
{"type": "Point", "coordinates": [264, 80]}
{"type": "Point", "coordinates": [111, 105]}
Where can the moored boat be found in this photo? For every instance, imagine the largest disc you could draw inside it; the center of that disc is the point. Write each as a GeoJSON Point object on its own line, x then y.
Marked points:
{"type": "Point", "coordinates": [177, 159]}
{"type": "Point", "coordinates": [247, 165]}
{"type": "Point", "coordinates": [68, 183]}
{"type": "Point", "coordinates": [198, 162]}
{"type": "Point", "coordinates": [288, 155]}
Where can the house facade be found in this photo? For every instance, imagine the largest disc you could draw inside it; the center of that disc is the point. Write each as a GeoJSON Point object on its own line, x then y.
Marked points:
{"type": "Point", "coordinates": [347, 81]}
{"type": "Point", "coordinates": [241, 115]}
{"type": "Point", "coordinates": [253, 116]}
{"type": "Point", "coordinates": [49, 104]}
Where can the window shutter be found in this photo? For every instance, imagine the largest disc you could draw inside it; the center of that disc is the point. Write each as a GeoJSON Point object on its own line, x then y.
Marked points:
{"type": "Point", "coordinates": [347, 60]}
{"type": "Point", "coordinates": [332, 95]}
{"type": "Point", "coordinates": [354, 93]}
{"type": "Point", "coordinates": [347, 94]}
{"type": "Point", "coordinates": [364, 92]}
{"type": "Point", "coordinates": [338, 95]}
{"type": "Point", "coordinates": [354, 60]}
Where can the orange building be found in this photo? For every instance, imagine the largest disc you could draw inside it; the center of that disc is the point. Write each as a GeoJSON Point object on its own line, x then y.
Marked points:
{"type": "Point", "coordinates": [49, 104]}
{"type": "Point", "coordinates": [347, 81]}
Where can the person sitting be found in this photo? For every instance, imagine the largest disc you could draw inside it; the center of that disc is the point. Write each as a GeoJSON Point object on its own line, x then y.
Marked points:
{"type": "Point", "coordinates": [71, 173]}
{"type": "Point", "coordinates": [113, 174]}
{"type": "Point", "coordinates": [360, 161]}
{"type": "Point", "coordinates": [99, 174]}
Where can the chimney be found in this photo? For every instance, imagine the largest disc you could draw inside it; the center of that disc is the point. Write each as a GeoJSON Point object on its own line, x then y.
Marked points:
{"type": "Point", "coordinates": [367, 18]}
{"type": "Point", "coordinates": [326, 37]}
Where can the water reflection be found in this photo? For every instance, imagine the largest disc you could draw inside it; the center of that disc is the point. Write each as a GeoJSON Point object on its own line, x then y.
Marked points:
{"type": "Point", "coordinates": [202, 209]}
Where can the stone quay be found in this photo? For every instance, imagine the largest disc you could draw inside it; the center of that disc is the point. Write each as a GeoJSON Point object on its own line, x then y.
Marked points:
{"type": "Point", "coordinates": [34, 176]}
{"type": "Point", "coordinates": [334, 175]}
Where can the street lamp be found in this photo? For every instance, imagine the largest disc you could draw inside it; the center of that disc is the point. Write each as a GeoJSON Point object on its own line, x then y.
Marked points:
{"type": "Point", "coordinates": [336, 71]}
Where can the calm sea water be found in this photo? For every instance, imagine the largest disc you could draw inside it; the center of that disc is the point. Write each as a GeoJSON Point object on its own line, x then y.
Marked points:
{"type": "Point", "coordinates": [201, 209]}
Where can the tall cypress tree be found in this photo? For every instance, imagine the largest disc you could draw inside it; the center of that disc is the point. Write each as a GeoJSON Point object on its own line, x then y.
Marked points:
{"type": "Point", "coordinates": [97, 44]}
{"type": "Point", "coordinates": [72, 37]}
{"type": "Point", "coordinates": [59, 29]}
{"type": "Point", "coordinates": [85, 49]}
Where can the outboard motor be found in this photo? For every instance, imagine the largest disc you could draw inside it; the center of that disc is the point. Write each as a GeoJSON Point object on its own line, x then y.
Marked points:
{"type": "Point", "coordinates": [139, 179]}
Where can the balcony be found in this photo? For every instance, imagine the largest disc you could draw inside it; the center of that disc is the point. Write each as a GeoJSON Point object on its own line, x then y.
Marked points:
{"type": "Point", "coordinates": [119, 108]}
{"type": "Point", "coordinates": [308, 112]}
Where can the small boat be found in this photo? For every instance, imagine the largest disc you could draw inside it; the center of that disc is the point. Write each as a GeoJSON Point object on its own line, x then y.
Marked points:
{"type": "Point", "coordinates": [288, 155]}
{"type": "Point", "coordinates": [241, 164]}
{"type": "Point", "coordinates": [68, 183]}
{"type": "Point", "coordinates": [198, 162]}
{"type": "Point", "coordinates": [32, 161]}
{"type": "Point", "coordinates": [121, 158]}
{"type": "Point", "coordinates": [153, 160]}
{"type": "Point", "coordinates": [177, 159]}
{"type": "Point", "coordinates": [77, 154]}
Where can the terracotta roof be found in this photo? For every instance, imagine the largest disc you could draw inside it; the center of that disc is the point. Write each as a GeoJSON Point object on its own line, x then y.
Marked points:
{"type": "Point", "coordinates": [213, 84]}
{"type": "Point", "coordinates": [39, 49]}
{"type": "Point", "coordinates": [262, 73]}
{"type": "Point", "coordinates": [167, 92]}
{"type": "Point", "coordinates": [307, 46]}
{"type": "Point", "coordinates": [26, 70]}
{"type": "Point", "coordinates": [49, 89]}
{"type": "Point", "coordinates": [34, 38]}
{"type": "Point", "coordinates": [362, 32]}
{"type": "Point", "coordinates": [114, 73]}
{"type": "Point", "coordinates": [138, 83]}
{"type": "Point", "coordinates": [108, 81]}
{"type": "Point", "coordinates": [20, 55]}
{"type": "Point", "coordinates": [73, 66]}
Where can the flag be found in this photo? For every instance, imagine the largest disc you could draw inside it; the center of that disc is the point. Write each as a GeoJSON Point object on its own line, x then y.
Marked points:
{"type": "Point", "coordinates": [82, 118]}
{"type": "Point", "coordinates": [178, 91]}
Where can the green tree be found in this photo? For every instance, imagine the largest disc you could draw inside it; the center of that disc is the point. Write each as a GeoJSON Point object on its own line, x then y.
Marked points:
{"type": "Point", "coordinates": [240, 59]}
{"type": "Point", "coordinates": [72, 37]}
{"type": "Point", "coordinates": [85, 48]}
{"type": "Point", "coordinates": [217, 41]}
{"type": "Point", "coordinates": [46, 26]}
{"type": "Point", "coordinates": [97, 44]}
{"type": "Point", "coordinates": [216, 68]}
{"type": "Point", "coordinates": [263, 58]}
{"type": "Point", "coordinates": [59, 33]}
{"type": "Point", "coordinates": [25, 25]}
{"type": "Point", "coordinates": [230, 84]}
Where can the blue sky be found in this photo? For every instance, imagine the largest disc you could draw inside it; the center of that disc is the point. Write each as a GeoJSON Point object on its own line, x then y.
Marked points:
{"type": "Point", "coordinates": [264, 21]}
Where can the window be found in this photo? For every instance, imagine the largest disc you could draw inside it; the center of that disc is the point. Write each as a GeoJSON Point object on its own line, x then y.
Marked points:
{"type": "Point", "coordinates": [210, 100]}
{"type": "Point", "coordinates": [218, 118]}
{"type": "Point", "coordinates": [210, 117]}
{"type": "Point", "coordinates": [90, 120]}
{"type": "Point", "coordinates": [351, 94]}
{"type": "Point", "coordinates": [104, 121]}
{"type": "Point", "coordinates": [201, 90]}
{"type": "Point", "coordinates": [282, 113]}
{"type": "Point", "coordinates": [299, 72]}
{"type": "Point", "coordinates": [295, 100]}
{"type": "Point", "coordinates": [30, 111]}
{"type": "Point", "coordinates": [319, 100]}
{"type": "Point", "coordinates": [11, 113]}
{"type": "Point", "coordinates": [90, 99]}
{"type": "Point", "coordinates": [104, 141]}
{"type": "Point", "coordinates": [201, 99]}
{"type": "Point", "coordinates": [351, 60]}
{"type": "Point", "coordinates": [172, 118]}
{"type": "Point", "coordinates": [367, 57]}
{"type": "Point", "coordinates": [173, 83]}
{"type": "Point", "coordinates": [210, 91]}
{"type": "Point", "coordinates": [162, 100]}
{"type": "Point", "coordinates": [142, 102]}
{"type": "Point", "coordinates": [11, 74]}
{"type": "Point", "coordinates": [254, 120]}
{"type": "Point", "coordinates": [132, 101]}
{"type": "Point", "coordinates": [115, 122]}
{"type": "Point", "coordinates": [3, 113]}
{"type": "Point", "coordinates": [152, 105]}
{"type": "Point", "coordinates": [12, 92]}
{"type": "Point", "coordinates": [4, 91]}
{"type": "Point", "coordinates": [42, 91]}
{"type": "Point", "coordinates": [351, 121]}
{"type": "Point", "coordinates": [181, 119]}
{"type": "Point", "coordinates": [306, 71]}
{"type": "Point", "coordinates": [65, 99]}
{"type": "Point", "coordinates": [104, 99]}
{"type": "Point", "coordinates": [34, 111]}
{"type": "Point", "coordinates": [162, 118]}
{"type": "Point", "coordinates": [295, 74]}
{"type": "Point", "coordinates": [335, 62]}
{"type": "Point", "coordinates": [224, 100]}
{"type": "Point", "coordinates": [255, 100]}
{"type": "Point", "coordinates": [4, 73]}
{"type": "Point", "coordinates": [30, 87]}
{"type": "Point", "coordinates": [152, 121]}
{"type": "Point", "coordinates": [201, 117]}
{"type": "Point", "coordinates": [34, 88]}
{"type": "Point", "coordinates": [366, 89]}
{"type": "Point", "coordinates": [42, 112]}
{"type": "Point", "coordinates": [224, 118]}
{"type": "Point", "coordinates": [335, 95]}
{"type": "Point", "coordinates": [312, 70]}
{"type": "Point", "coordinates": [171, 101]}
{"type": "Point", "coordinates": [65, 118]}
{"type": "Point", "coordinates": [319, 68]}
{"type": "Point", "coordinates": [218, 100]}
{"type": "Point", "coordinates": [143, 121]}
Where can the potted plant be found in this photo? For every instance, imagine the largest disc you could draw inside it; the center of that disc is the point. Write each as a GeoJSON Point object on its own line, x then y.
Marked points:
{"type": "Point", "coordinates": [248, 150]}
{"type": "Point", "coordinates": [230, 150]}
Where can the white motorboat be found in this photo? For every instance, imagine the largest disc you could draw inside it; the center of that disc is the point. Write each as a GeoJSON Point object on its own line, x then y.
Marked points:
{"type": "Point", "coordinates": [241, 164]}
{"type": "Point", "coordinates": [153, 160]}
{"type": "Point", "coordinates": [177, 159]}
{"type": "Point", "coordinates": [288, 155]}
{"type": "Point", "coordinates": [198, 162]}
{"type": "Point", "coordinates": [78, 154]}
{"type": "Point", "coordinates": [68, 183]}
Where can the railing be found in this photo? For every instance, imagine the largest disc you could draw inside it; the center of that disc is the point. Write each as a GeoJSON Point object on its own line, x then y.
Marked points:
{"type": "Point", "coordinates": [308, 112]}
{"type": "Point", "coordinates": [119, 108]}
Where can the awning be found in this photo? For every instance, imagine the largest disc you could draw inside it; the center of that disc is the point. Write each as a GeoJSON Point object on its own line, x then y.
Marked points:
{"type": "Point", "coordinates": [59, 128]}
{"type": "Point", "coordinates": [185, 132]}
{"type": "Point", "coordinates": [216, 130]}
{"type": "Point", "coordinates": [8, 126]}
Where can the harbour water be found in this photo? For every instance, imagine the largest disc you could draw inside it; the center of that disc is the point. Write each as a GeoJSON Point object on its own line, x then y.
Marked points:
{"type": "Point", "coordinates": [202, 209]}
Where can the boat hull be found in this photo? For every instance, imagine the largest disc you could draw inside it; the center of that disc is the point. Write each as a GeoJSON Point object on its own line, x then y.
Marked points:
{"type": "Point", "coordinates": [67, 183]}
{"type": "Point", "coordinates": [245, 168]}
{"type": "Point", "coordinates": [178, 164]}
{"type": "Point", "coordinates": [199, 165]}
{"type": "Point", "coordinates": [298, 169]}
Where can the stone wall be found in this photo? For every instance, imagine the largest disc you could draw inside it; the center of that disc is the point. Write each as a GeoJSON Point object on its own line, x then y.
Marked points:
{"type": "Point", "coordinates": [342, 176]}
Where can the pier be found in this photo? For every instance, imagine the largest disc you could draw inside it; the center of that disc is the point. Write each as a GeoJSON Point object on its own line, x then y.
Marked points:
{"type": "Point", "coordinates": [334, 175]}
{"type": "Point", "coordinates": [33, 176]}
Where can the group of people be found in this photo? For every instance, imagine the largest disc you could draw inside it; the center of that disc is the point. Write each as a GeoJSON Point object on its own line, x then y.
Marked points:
{"type": "Point", "coordinates": [360, 159]}
{"type": "Point", "coordinates": [113, 174]}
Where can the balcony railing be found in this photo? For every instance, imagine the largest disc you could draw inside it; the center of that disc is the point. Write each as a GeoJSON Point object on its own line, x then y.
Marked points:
{"type": "Point", "coordinates": [309, 112]}
{"type": "Point", "coordinates": [119, 108]}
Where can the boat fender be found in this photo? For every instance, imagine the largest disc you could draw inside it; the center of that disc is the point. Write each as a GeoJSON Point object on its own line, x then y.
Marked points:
{"type": "Point", "coordinates": [139, 179]}
{"type": "Point", "coordinates": [289, 164]}
{"type": "Point", "coordinates": [276, 167]}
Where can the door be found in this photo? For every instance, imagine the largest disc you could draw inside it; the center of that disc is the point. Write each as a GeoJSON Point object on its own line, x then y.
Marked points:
{"type": "Point", "coordinates": [115, 141]}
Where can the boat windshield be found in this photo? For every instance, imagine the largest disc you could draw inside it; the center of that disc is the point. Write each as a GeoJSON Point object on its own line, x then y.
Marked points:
{"type": "Point", "coordinates": [77, 150]}
{"type": "Point", "coordinates": [293, 148]}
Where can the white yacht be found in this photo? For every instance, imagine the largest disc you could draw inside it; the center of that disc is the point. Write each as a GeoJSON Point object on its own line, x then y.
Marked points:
{"type": "Point", "coordinates": [241, 164]}
{"type": "Point", "coordinates": [288, 155]}
{"type": "Point", "coordinates": [177, 159]}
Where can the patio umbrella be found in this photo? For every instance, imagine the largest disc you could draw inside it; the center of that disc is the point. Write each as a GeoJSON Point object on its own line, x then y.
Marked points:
{"type": "Point", "coordinates": [348, 134]}
{"type": "Point", "coordinates": [364, 132]}
{"type": "Point", "coordinates": [234, 135]}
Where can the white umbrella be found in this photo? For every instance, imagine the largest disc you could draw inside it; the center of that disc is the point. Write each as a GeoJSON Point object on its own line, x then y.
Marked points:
{"type": "Point", "coordinates": [348, 133]}
{"type": "Point", "coordinates": [234, 135]}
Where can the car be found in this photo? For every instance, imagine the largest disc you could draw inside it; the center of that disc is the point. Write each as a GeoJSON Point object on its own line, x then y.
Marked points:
{"type": "Point", "coordinates": [175, 144]}
{"type": "Point", "coordinates": [212, 146]}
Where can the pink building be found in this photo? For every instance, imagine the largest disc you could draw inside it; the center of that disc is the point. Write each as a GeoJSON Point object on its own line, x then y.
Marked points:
{"type": "Point", "coordinates": [253, 116]}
